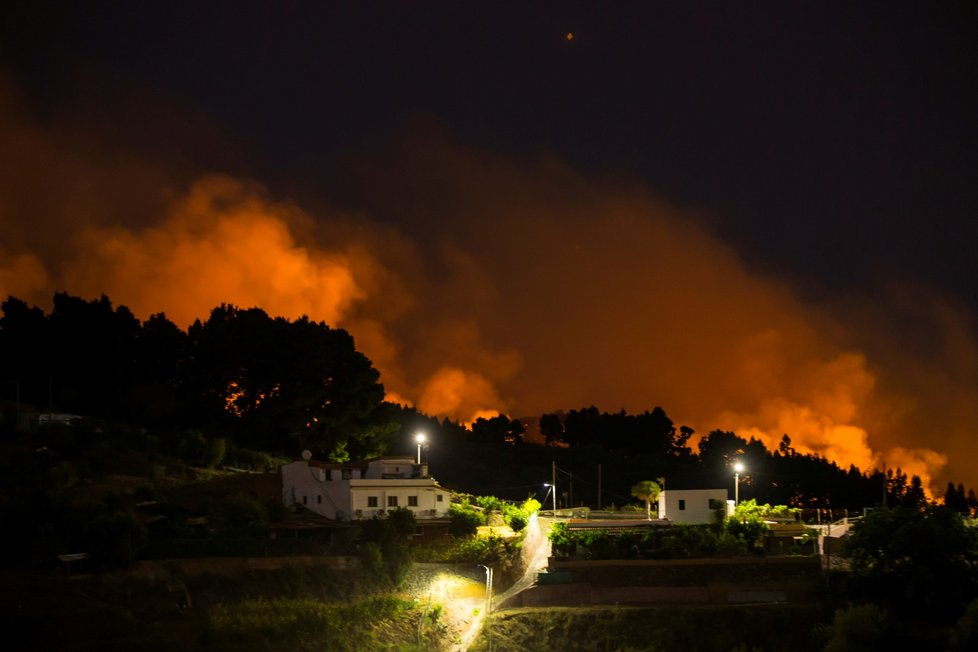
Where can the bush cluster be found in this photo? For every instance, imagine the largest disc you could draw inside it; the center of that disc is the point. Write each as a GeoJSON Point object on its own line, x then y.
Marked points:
{"type": "Point", "coordinates": [675, 542]}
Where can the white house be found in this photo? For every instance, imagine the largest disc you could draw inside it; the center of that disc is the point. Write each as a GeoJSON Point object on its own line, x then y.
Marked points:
{"type": "Point", "coordinates": [693, 505]}
{"type": "Point", "coordinates": [361, 490]}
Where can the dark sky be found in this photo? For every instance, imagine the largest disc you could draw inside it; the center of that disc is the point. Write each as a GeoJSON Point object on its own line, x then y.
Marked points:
{"type": "Point", "coordinates": [834, 141]}
{"type": "Point", "coordinates": [759, 215]}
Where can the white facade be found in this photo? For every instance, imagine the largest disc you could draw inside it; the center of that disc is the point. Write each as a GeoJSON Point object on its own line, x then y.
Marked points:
{"type": "Point", "coordinates": [692, 506]}
{"type": "Point", "coordinates": [363, 490]}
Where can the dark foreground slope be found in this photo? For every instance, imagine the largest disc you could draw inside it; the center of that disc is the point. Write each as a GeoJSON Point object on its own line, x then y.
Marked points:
{"type": "Point", "coordinates": [740, 628]}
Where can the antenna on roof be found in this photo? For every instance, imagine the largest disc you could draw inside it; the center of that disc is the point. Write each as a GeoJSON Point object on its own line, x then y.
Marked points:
{"type": "Point", "coordinates": [307, 455]}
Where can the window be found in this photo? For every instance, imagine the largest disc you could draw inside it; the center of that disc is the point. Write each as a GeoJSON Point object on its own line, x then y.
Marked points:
{"type": "Point", "coordinates": [305, 500]}
{"type": "Point", "coordinates": [392, 501]}
{"type": "Point", "coordinates": [319, 499]}
{"type": "Point", "coordinates": [412, 501]}
{"type": "Point", "coordinates": [440, 498]}
{"type": "Point", "coordinates": [371, 501]}
{"type": "Point", "coordinates": [347, 474]}
{"type": "Point", "coordinates": [682, 505]}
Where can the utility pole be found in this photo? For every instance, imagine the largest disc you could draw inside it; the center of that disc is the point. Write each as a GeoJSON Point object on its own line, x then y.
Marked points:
{"type": "Point", "coordinates": [599, 487]}
{"type": "Point", "coordinates": [553, 484]}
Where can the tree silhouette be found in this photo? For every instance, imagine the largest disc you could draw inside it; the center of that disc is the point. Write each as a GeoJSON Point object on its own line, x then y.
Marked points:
{"type": "Point", "coordinates": [918, 560]}
{"type": "Point", "coordinates": [647, 490]}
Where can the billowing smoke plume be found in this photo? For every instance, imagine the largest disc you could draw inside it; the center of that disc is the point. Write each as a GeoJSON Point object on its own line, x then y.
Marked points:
{"type": "Point", "coordinates": [513, 287]}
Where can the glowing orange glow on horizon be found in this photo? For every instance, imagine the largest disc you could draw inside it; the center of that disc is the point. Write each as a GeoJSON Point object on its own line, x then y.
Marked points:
{"type": "Point", "coordinates": [554, 292]}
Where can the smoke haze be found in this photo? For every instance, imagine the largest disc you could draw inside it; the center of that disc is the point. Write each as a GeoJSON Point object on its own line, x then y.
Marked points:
{"type": "Point", "coordinates": [478, 284]}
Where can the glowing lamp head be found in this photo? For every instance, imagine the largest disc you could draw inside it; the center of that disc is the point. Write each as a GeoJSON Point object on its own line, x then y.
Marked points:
{"type": "Point", "coordinates": [738, 467]}
{"type": "Point", "coordinates": [420, 438]}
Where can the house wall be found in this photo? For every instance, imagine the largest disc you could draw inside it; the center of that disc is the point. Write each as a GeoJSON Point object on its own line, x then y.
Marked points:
{"type": "Point", "coordinates": [324, 492]}
{"type": "Point", "coordinates": [424, 490]}
{"type": "Point", "coordinates": [401, 467]}
{"type": "Point", "coordinates": [308, 486]}
{"type": "Point", "coordinates": [691, 505]}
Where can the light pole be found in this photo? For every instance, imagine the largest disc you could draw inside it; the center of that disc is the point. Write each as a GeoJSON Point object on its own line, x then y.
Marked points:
{"type": "Point", "coordinates": [738, 469]}
{"type": "Point", "coordinates": [553, 488]}
{"type": "Point", "coordinates": [420, 439]}
{"type": "Point", "coordinates": [488, 570]}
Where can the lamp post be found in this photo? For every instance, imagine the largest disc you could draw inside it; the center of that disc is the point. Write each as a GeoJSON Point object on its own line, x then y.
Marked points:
{"type": "Point", "coordinates": [553, 488]}
{"type": "Point", "coordinates": [738, 469]}
{"type": "Point", "coordinates": [420, 439]}
{"type": "Point", "coordinates": [488, 570]}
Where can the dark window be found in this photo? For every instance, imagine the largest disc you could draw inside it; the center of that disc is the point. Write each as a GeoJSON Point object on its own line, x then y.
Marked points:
{"type": "Point", "coordinates": [392, 501]}
{"type": "Point", "coordinates": [439, 498]}
{"type": "Point", "coordinates": [347, 474]}
{"type": "Point", "coordinates": [371, 501]}
{"type": "Point", "coordinates": [682, 505]}
{"type": "Point", "coordinates": [319, 500]}
{"type": "Point", "coordinates": [412, 501]}
{"type": "Point", "coordinates": [305, 501]}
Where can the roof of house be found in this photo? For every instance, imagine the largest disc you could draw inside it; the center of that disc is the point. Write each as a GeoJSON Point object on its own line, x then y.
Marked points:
{"type": "Point", "coordinates": [303, 518]}
{"type": "Point", "coordinates": [359, 464]}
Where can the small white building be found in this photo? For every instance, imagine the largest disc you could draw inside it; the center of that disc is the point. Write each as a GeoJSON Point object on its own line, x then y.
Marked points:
{"type": "Point", "coordinates": [691, 506]}
{"type": "Point", "coordinates": [362, 490]}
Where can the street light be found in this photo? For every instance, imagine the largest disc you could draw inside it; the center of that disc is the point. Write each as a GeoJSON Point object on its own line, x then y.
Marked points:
{"type": "Point", "coordinates": [553, 488]}
{"type": "Point", "coordinates": [738, 469]}
{"type": "Point", "coordinates": [420, 439]}
{"type": "Point", "coordinates": [488, 600]}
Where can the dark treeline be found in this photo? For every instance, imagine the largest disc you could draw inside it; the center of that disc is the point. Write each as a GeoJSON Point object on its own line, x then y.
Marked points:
{"type": "Point", "coordinates": [263, 383]}
{"type": "Point", "coordinates": [280, 386]}
{"type": "Point", "coordinates": [599, 456]}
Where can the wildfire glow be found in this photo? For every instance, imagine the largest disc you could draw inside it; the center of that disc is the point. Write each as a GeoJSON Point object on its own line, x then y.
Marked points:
{"type": "Point", "coordinates": [525, 288]}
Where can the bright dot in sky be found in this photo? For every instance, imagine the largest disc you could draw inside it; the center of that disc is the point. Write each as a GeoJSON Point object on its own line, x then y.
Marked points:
{"type": "Point", "coordinates": [570, 36]}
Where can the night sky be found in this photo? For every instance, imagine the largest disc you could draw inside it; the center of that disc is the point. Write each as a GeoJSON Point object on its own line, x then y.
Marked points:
{"type": "Point", "coordinates": [759, 216]}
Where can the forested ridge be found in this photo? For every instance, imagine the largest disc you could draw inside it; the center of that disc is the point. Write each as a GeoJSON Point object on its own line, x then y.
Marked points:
{"type": "Point", "coordinates": [263, 383]}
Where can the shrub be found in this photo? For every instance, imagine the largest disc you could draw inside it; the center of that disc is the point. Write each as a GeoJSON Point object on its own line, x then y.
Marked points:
{"type": "Point", "coordinates": [517, 522]}
{"type": "Point", "coordinates": [242, 514]}
{"type": "Point", "coordinates": [465, 520]}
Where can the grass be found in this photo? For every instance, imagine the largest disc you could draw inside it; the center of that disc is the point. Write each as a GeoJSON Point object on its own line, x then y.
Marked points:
{"type": "Point", "coordinates": [673, 628]}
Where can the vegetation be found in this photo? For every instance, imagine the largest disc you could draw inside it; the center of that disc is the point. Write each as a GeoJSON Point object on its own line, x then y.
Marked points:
{"type": "Point", "coordinates": [169, 414]}
{"type": "Point", "coordinates": [672, 542]}
{"type": "Point", "coordinates": [305, 624]}
{"type": "Point", "coordinates": [673, 628]}
{"type": "Point", "coordinates": [647, 491]}
{"type": "Point", "coordinates": [918, 562]}
{"type": "Point", "coordinates": [386, 548]}
{"type": "Point", "coordinates": [260, 382]}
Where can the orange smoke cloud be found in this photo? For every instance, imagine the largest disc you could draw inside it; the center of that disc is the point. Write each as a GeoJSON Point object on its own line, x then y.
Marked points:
{"type": "Point", "coordinates": [457, 392]}
{"type": "Point", "coordinates": [220, 244]}
{"type": "Point", "coordinates": [521, 288]}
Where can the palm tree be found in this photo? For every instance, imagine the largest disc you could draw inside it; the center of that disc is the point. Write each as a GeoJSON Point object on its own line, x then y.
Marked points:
{"type": "Point", "coordinates": [647, 490]}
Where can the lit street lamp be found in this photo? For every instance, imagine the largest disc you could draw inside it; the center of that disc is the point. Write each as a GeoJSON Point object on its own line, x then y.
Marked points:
{"type": "Point", "coordinates": [738, 469]}
{"type": "Point", "coordinates": [488, 600]}
{"type": "Point", "coordinates": [553, 488]}
{"type": "Point", "coordinates": [420, 439]}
